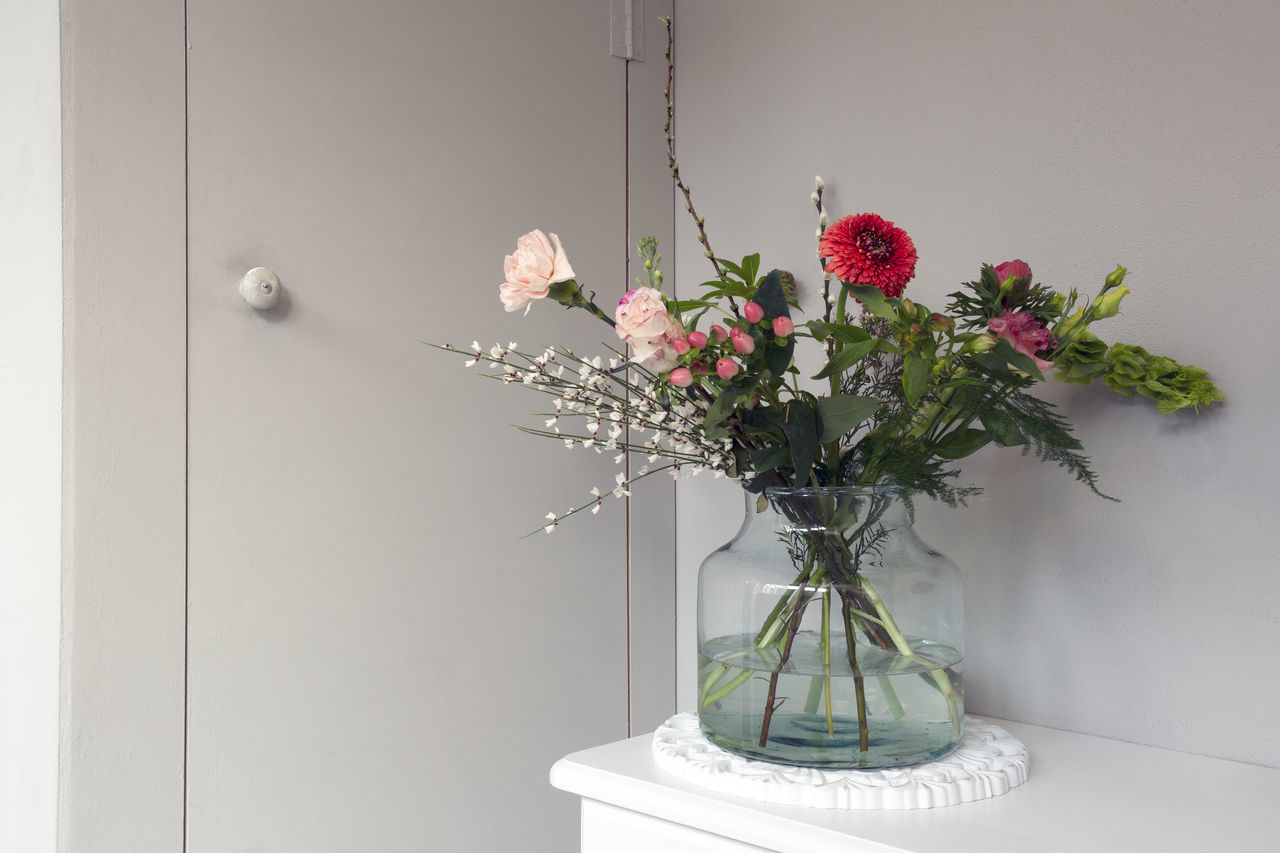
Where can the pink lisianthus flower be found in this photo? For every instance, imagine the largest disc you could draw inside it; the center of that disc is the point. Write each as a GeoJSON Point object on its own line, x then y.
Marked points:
{"type": "Point", "coordinates": [536, 264]}
{"type": "Point", "coordinates": [1025, 333]}
{"type": "Point", "coordinates": [1013, 269]}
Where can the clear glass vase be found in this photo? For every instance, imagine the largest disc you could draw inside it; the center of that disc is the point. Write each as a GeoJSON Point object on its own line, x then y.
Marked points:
{"type": "Point", "coordinates": [830, 635]}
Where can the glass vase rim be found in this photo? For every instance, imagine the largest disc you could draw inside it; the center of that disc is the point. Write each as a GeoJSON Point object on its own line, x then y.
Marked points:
{"type": "Point", "coordinates": [872, 489]}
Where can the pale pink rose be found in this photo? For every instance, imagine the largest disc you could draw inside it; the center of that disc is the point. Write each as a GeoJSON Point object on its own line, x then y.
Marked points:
{"type": "Point", "coordinates": [536, 265]}
{"type": "Point", "coordinates": [658, 353]}
{"type": "Point", "coordinates": [1024, 333]}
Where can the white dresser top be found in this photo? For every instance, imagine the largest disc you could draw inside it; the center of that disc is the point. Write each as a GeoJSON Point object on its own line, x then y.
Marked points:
{"type": "Point", "coordinates": [1085, 795]}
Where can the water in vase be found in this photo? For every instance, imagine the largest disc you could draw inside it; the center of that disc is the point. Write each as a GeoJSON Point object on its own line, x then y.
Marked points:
{"type": "Point", "coordinates": [913, 705]}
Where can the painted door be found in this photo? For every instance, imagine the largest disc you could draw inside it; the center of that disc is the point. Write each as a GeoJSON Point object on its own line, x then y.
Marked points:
{"type": "Point", "coordinates": [376, 662]}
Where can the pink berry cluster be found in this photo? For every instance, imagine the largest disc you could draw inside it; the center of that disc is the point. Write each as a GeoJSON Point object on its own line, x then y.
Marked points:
{"type": "Point", "coordinates": [718, 346]}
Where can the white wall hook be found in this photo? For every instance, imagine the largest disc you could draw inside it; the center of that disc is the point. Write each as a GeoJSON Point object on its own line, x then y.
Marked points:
{"type": "Point", "coordinates": [260, 287]}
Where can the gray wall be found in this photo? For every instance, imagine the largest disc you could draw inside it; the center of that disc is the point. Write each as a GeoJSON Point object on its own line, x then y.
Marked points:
{"type": "Point", "coordinates": [1073, 135]}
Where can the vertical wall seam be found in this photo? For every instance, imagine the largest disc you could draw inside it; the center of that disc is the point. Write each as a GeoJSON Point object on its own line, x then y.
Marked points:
{"type": "Point", "coordinates": [186, 402]}
{"type": "Point", "coordinates": [626, 278]}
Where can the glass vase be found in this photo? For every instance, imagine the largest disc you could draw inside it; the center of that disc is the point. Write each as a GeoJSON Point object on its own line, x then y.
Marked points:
{"type": "Point", "coordinates": [830, 635]}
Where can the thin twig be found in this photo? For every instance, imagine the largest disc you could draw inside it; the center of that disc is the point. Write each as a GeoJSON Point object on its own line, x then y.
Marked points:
{"type": "Point", "coordinates": [674, 166]}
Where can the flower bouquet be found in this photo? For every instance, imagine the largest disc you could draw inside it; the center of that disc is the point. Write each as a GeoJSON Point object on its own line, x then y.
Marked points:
{"type": "Point", "coordinates": [710, 383]}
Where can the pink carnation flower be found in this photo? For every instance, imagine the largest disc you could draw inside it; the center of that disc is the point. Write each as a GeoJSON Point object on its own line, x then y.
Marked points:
{"type": "Point", "coordinates": [536, 264]}
{"type": "Point", "coordinates": [1024, 333]}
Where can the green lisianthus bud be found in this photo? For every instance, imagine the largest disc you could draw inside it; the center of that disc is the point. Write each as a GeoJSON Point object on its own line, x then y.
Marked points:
{"type": "Point", "coordinates": [1108, 304]}
{"type": "Point", "coordinates": [941, 322]}
{"type": "Point", "coordinates": [1066, 324]}
{"type": "Point", "coordinates": [1116, 278]}
{"type": "Point", "coordinates": [979, 343]}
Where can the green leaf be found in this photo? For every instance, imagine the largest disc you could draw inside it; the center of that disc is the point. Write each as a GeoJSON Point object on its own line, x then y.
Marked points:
{"type": "Point", "coordinates": [725, 404]}
{"type": "Point", "coordinates": [761, 419]}
{"type": "Point", "coordinates": [846, 358]}
{"type": "Point", "coordinates": [873, 300]}
{"type": "Point", "coordinates": [846, 334]}
{"type": "Point", "coordinates": [962, 442]}
{"type": "Point", "coordinates": [770, 296]}
{"type": "Point", "coordinates": [917, 376]}
{"type": "Point", "coordinates": [719, 411]}
{"type": "Point", "coordinates": [726, 287]}
{"type": "Point", "coordinates": [768, 458]}
{"type": "Point", "coordinates": [683, 305]}
{"type": "Point", "coordinates": [842, 412]}
{"type": "Point", "coordinates": [730, 266]}
{"type": "Point", "coordinates": [1003, 359]}
{"type": "Point", "coordinates": [778, 356]}
{"type": "Point", "coordinates": [750, 266]}
{"type": "Point", "coordinates": [1003, 431]}
{"type": "Point", "coordinates": [800, 425]}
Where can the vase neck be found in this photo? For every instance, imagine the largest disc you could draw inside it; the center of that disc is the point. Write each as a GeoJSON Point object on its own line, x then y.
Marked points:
{"type": "Point", "coordinates": [841, 508]}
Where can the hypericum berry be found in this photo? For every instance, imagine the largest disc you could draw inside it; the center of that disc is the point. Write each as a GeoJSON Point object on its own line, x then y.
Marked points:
{"type": "Point", "coordinates": [727, 368]}
{"type": "Point", "coordinates": [681, 377]}
{"type": "Point", "coordinates": [743, 344]}
{"type": "Point", "coordinates": [782, 326]}
{"type": "Point", "coordinates": [697, 340]}
{"type": "Point", "coordinates": [753, 312]}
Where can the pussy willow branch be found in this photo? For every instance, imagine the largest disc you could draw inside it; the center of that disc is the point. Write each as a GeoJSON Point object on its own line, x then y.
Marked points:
{"type": "Point", "coordinates": [675, 166]}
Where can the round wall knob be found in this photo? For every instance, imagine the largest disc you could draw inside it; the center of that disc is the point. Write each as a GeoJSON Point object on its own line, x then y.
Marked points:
{"type": "Point", "coordinates": [260, 287]}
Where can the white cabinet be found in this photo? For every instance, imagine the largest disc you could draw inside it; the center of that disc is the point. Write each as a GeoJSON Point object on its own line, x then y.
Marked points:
{"type": "Point", "coordinates": [1085, 795]}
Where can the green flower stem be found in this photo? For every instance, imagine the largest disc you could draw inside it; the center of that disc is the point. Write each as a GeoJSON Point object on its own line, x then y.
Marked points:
{"type": "Point", "coordinates": [776, 620]}
{"type": "Point", "coordinates": [891, 696]}
{"type": "Point", "coordinates": [770, 703]}
{"type": "Point", "coordinates": [707, 698]}
{"type": "Point", "coordinates": [826, 656]}
{"type": "Point", "coordinates": [815, 693]}
{"type": "Point", "coordinates": [939, 677]}
{"type": "Point", "coordinates": [859, 686]}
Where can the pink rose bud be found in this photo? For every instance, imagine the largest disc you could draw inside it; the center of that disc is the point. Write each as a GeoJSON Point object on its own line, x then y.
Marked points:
{"type": "Point", "coordinates": [743, 344]}
{"type": "Point", "coordinates": [753, 312]}
{"type": "Point", "coordinates": [782, 326]}
{"type": "Point", "coordinates": [697, 340]}
{"type": "Point", "coordinates": [680, 345]}
{"type": "Point", "coordinates": [718, 333]}
{"type": "Point", "coordinates": [726, 368]}
{"type": "Point", "coordinates": [681, 377]}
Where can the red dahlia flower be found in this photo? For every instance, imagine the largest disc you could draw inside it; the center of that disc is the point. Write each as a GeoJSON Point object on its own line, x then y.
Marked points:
{"type": "Point", "coordinates": [865, 249]}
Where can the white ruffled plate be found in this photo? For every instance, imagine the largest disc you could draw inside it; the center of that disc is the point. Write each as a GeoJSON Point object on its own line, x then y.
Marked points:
{"type": "Point", "coordinates": [989, 762]}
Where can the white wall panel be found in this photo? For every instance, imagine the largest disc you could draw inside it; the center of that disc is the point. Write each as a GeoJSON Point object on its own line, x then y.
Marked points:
{"type": "Point", "coordinates": [30, 421]}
